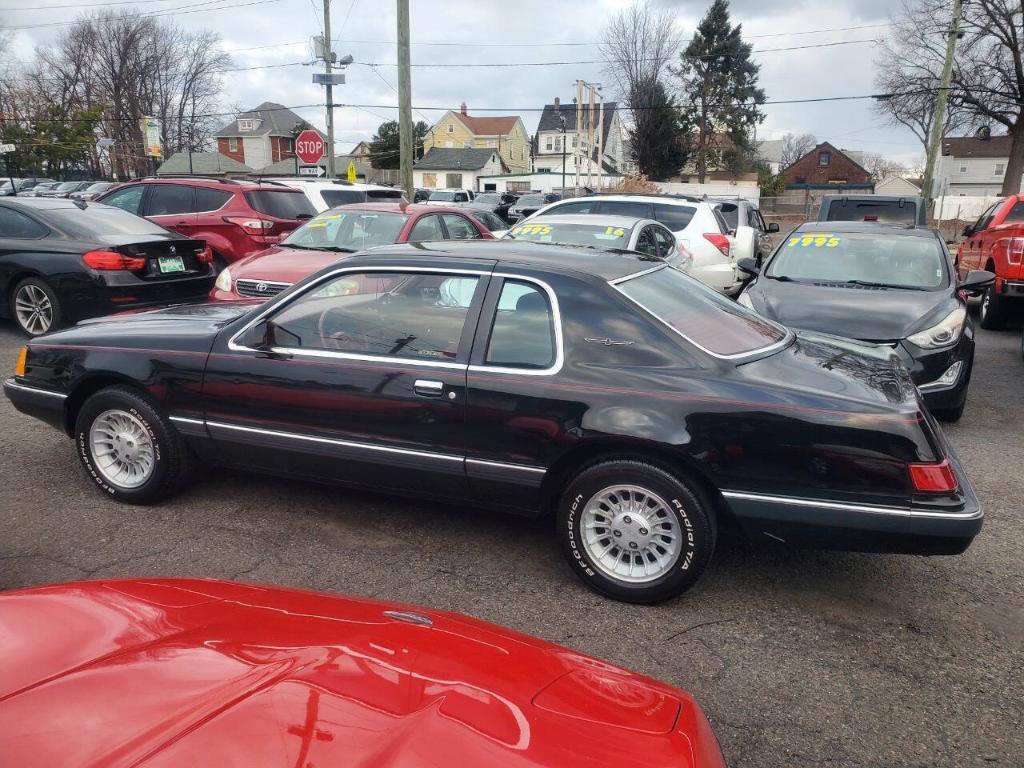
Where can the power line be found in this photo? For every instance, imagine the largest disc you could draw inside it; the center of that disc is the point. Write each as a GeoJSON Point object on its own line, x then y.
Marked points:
{"type": "Point", "coordinates": [85, 5]}
{"type": "Point", "coordinates": [175, 11]}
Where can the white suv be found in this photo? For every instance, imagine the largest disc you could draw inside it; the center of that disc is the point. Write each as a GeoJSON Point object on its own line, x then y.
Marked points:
{"type": "Point", "coordinates": [329, 194]}
{"type": "Point", "coordinates": [696, 224]}
{"type": "Point", "coordinates": [449, 196]}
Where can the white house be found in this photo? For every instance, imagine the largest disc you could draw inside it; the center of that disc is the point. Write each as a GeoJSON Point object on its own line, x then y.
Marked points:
{"type": "Point", "coordinates": [455, 168]}
{"type": "Point", "coordinates": [550, 136]}
{"type": "Point", "coordinates": [973, 166]}
{"type": "Point", "coordinates": [897, 186]}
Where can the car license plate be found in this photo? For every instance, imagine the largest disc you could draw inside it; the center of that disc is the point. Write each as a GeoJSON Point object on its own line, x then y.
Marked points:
{"type": "Point", "coordinates": [171, 264]}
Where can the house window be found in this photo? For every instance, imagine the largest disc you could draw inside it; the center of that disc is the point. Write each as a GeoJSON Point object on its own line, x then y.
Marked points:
{"type": "Point", "coordinates": [451, 128]}
{"type": "Point", "coordinates": [574, 141]}
{"type": "Point", "coordinates": [453, 180]}
{"type": "Point", "coordinates": [558, 144]}
{"type": "Point", "coordinates": [824, 158]}
{"type": "Point", "coordinates": [430, 180]}
{"type": "Point", "coordinates": [245, 125]}
{"type": "Point", "coordinates": [548, 143]}
{"type": "Point", "coordinates": [287, 145]}
{"type": "Point", "coordinates": [1000, 170]}
{"type": "Point", "coordinates": [233, 144]}
{"type": "Point", "coordinates": [963, 167]}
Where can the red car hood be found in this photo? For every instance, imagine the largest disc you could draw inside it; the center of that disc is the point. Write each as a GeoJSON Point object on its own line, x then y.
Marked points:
{"type": "Point", "coordinates": [283, 265]}
{"type": "Point", "coordinates": [174, 673]}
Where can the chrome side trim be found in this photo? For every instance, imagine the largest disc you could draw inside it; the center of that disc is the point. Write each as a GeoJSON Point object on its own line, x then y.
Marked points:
{"type": "Point", "coordinates": [847, 507]}
{"type": "Point", "coordinates": [786, 339]}
{"type": "Point", "coordinates": [556, 318]}
{"type": "Point", "coordinates": [36, 390]}
{"type": "Point", "coordinates": [186, 420]}
{"type": "Point", "coordinates": [326, 353]}
{"type": "Point", "coordinates": [333, 441]}
{"type": "Point", "coordinates": [506, 465]}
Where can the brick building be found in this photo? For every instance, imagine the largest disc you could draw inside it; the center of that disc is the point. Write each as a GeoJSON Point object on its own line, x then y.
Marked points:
{"type": "Point", "coordinates": [261, 137]}
{"type": "Point", "coordinates": [826, 165]}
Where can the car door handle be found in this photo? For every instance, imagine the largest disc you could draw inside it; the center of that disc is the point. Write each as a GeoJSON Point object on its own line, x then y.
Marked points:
{"type": "Point", "coordinates": [428, 387]}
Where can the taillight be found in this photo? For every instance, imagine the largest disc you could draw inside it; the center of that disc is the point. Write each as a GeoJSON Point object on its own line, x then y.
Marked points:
{"type": "Point", "coordinates": [721, 242]}
{"type": "Point", "coordinates": [112, 260]}
{"type": "Point", "coordinates": [933, 478]}
{"type": "Point", "coordinates": [205, 256]}
{"type": "Point", "coordinates": [1015, 250]}
{"type": "Point", "coordinates": [251, 226]}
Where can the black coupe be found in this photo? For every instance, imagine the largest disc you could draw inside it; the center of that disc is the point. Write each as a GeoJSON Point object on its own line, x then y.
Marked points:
{"type": "Point", "coordinates": [65, 260]}
{"type": "Point", "coordinates": [638, 405]}
{"type": "Point", "coordinates": [889, 285]}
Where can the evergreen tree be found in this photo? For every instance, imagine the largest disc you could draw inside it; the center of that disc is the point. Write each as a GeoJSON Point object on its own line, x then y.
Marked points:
{"type": "Point", "coordinates": [719, 86]}
{"type": "Point", "coordinates": [384, 146]}
{"type": "Point", "coordinates": [659, 138]}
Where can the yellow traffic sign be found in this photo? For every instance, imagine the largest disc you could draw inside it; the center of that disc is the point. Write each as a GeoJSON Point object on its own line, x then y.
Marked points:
{"type": "Point", "coordinates": [351, 171]}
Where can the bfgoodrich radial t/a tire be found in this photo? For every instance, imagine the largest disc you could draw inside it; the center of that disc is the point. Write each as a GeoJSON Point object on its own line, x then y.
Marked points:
{"type": "Point", "coordinates": [128, 449]}
{"type": "Point", "coordinates": [636, 532]}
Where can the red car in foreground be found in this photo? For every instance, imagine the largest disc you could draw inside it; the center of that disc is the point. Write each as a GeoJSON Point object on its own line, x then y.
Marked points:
{"type": "Point", "coordinates": [172, 673]}
{"type": "Point", "coordinates": [345, 229]}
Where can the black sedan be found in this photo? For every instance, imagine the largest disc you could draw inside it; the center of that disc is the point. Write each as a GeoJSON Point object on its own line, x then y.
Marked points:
{"type": "Point", "coordinates": [888, 285]}
{"type": "Point", "coordinates": [62, 261]}
{"type": "Point", "coordinates": [637, 405]}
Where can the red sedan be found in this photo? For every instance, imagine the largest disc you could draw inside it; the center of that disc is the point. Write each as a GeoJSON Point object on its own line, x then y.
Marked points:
{"type": "Point", "coordinates": [345, 229]}
{"type": "Point", "coordinates": [170, 673]}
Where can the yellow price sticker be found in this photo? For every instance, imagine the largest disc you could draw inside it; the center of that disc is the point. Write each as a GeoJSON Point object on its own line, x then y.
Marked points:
{"type": "Point", "coordinates": [617, 231]}
{"type": "Point", "coordinates": [813, 240]}
{"type": "Point", "coordinates": [532, 229]}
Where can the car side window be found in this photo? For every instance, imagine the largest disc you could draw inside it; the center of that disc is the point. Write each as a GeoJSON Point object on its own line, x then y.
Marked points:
{"type": "Point", "coordinates": [986, 218]}
{"type": "Point", "coordinates": [579, 206]}
{"type": "Point", "coordinates": [459, 227]}
{"type": "Point", "coordinates": [645, 242]}
{"type": "Point", "coordinates": [675, 217]}
{"type": "Point", "coordinates": [523, 333]}
{"type": "Point", "coordinates": [1016, 214]}
{"type": "Point", "coordinates": [428, 228]}
{"type": "Point", "coordinates": [210, 199]}
{"type": "Point", "coordinates": [169, 199]}
{"type": "Point", "coordinates": [412, 315]}
{"type": "Point", "coordinates": [666, 243]}
{"type": "Point", "coordinates": [128, 199]}
{"type": "Point", "coordinates": [17, 225]}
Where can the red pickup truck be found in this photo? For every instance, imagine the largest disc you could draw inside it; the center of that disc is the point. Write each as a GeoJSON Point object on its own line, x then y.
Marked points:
{"type": "Point", "coordinates": [995, 242]}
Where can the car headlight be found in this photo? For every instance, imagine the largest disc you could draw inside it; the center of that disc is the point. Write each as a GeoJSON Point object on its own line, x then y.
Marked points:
{"type": "Point", "coordinates": [223, 280]}
{"type": "Point", "coordinates": [946, 332]}
{"type": "Point", "coordinates": [744, 300]}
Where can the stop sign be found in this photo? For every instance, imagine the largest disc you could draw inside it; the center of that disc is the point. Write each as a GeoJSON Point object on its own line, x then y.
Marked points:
{"type": "Point", "coordinates": [309, 147]}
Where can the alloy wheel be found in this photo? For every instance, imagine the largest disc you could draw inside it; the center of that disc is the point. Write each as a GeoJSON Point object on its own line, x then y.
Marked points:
{"type": "Point", "coordinates": [630, 533]}
{"type": "Point", "coordinates": [121, 448]}
{"type": "Point", "coordinates": [33, 309]}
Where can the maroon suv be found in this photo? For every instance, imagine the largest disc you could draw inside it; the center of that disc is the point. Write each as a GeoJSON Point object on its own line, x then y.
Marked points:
{"type": "Point", "coordinates": [234, 217]}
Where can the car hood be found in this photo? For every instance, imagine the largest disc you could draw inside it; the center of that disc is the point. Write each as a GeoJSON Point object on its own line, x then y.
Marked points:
{"type": "Point", "coordinates": [283, 265]}
{"type": "Point", "coordinates": [870, 314]}
{"type": "Point", "coordinates": [171, 673]}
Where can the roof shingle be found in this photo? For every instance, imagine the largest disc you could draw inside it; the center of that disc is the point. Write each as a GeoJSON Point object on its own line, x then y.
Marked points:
{"type": "Point", "coordinates": [969, 146]}
{"type": "Point", "coordinates": [550, 120]}
{"type": "Point", "coordinates": [454, 159]}
{"type": "Point", "coordinates": [275, 120]}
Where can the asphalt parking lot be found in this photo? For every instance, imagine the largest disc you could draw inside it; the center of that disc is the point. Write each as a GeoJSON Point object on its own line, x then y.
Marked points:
{"type": "Point", "coordinates": [800, 658]}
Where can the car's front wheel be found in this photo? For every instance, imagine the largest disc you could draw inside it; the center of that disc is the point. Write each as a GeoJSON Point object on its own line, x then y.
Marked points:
{"type": "Point", "coordinates": [129, 449]}
{"type": "Point", "coordinates": [635, 532]}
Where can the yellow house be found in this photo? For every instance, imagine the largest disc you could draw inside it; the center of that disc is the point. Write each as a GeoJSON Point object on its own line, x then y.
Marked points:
{"type": "Point", "coordinates": [506, 134]}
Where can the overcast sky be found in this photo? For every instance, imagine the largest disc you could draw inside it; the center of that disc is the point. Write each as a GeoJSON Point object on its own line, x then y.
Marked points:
{"type": "Point", "coordinates": [490, 28]}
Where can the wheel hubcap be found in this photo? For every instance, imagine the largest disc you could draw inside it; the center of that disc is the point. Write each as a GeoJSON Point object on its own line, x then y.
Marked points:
{"type": "Point", "coordinates": [33, 309]}
{"type": "Point", "coordinates": [630, 533]}
{"type": "Point", "coordinates": [121, 449]}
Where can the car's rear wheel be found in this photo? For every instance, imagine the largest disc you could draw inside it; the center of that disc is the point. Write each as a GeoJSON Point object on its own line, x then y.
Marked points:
{"type": "Point", "coordinates": [129, 449]}
{"type": "Point", "coordinates": [636, 532]}
{"type": "Point", "coordinates": [993, 310]}
{"type": "Point", "coordinates": [35, 307]}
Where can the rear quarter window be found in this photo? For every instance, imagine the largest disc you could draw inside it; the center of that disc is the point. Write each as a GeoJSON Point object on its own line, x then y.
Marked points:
{"type": "Point", "coordinates": [281, 203]}
{"type": "Point", "coordinates": [675, 217]}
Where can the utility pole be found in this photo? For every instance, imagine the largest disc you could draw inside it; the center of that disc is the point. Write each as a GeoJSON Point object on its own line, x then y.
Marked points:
{"type": "Point", "coordinates": [405, 138]}
{"type": "Point", "coordinates": [328, 56]}
{"type": "Point", "coordinates": [579, 130]}
{"type": "Point", "coordinates": [935, 134]}
{"type": "Point", "coordinates": [564, 142]}
{"type": "Point", "coordinates": [600, 139]}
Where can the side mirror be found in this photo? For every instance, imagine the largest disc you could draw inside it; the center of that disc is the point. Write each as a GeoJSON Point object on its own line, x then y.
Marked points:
{"type": "Point", "coordinates": [977, 280]}
{"type": "Point", "coordinates": [259, 336]}
{"type": "Point", "coordinates": [968, 230]}
{"type": "Point", "coordinates": [773, 227]}
{"type": "Point", "coordinates": [749, 266]}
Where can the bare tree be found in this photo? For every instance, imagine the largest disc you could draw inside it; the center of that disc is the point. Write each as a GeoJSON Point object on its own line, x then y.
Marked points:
{"type": "Point", "coordinates": [795, 146]}
{"type": "Point", "coordinates": [637, 46]}
{"type": "Point", "coordinates": [881, 167]}
{"type": "Point", "coordinates": [909, 66]}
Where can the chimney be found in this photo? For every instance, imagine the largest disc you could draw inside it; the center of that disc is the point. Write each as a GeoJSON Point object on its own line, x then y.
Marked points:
{"type": "Point", "coordinates": [462, 108]}
{"type": "Point", "coordinates": [558, 105]}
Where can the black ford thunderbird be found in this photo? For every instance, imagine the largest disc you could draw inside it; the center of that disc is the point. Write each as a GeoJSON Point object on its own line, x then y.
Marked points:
{"type": "Point", "coordinates": [639, 406]}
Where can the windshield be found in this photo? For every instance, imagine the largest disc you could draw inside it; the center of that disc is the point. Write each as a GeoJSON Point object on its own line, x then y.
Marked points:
{"type": "Point", "coordinates": [703, 316]}
{"type": "Point", "coordinates": [596, 235]}
{"type": "Point", "coordinates": [530, 200]}
{"type": "Point", "coordinates": [281, 203]}
{"type": "Point", "coordinates": [444, 197]}
{"type": "Point", "coordinates": [490, 198]}
{"type": "Point", "coordinates": [884, 259]}
{"type": "Point", "coordinates": [884, 212]}
{"type": "Point", "coordinates": [348, 230]}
